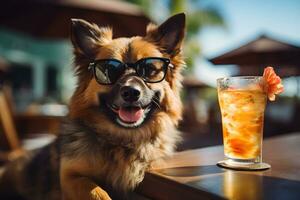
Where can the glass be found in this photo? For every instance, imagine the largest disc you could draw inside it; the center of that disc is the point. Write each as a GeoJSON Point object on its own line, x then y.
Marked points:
{"type": "Point", "coordinates": [151, 70]}
{"type": "Point", "coordinates": [242, 101]}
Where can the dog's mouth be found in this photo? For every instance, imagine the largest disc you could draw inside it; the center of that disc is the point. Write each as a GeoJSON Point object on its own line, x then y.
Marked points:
{"type": "Point", "coordinates": [132, 116]}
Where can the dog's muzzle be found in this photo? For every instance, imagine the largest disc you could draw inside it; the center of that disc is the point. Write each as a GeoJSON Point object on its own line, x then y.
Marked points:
{"type": "Point", "coordinates": [130, 102]}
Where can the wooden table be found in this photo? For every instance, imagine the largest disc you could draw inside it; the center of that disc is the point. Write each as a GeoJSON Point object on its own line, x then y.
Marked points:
{"type": "Point", "coordinates": [194, 175]}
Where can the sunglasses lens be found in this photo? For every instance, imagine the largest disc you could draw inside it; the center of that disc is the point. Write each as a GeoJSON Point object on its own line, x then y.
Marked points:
{"type": "Point", "coordinates": [152, 69]}
{"type": "Point", "coordinates": [108, 71]}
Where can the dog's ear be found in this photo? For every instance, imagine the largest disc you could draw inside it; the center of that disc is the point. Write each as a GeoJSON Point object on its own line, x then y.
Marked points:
{"type": "Point", "coordinates": [86, 37]}
{"type": "Point", "coordinates": [169, 35]}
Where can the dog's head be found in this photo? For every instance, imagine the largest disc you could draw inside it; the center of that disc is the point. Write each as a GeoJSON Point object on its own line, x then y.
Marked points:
{"type": "Point", "coordinates": [128, 85]}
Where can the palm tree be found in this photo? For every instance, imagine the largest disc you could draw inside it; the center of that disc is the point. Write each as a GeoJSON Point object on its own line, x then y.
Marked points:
{"type": "Point", "coordinates": [197, 19]}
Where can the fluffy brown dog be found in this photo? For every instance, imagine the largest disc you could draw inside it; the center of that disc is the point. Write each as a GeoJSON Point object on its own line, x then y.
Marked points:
{"type": "Point", "coordinates": [123, 116]}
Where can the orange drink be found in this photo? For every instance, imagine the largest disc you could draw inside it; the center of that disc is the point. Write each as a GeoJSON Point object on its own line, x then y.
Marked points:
{"type": "Point", "coordinates": [242, 101]}
{"type": "Point", "coordinates": [242, 115]}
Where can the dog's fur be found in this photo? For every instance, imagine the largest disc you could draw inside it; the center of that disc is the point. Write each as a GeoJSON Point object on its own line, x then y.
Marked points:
{"type": "Point", "coordinates": [93, 154]}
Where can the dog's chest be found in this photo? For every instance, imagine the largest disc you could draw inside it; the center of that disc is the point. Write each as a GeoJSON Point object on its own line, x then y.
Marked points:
{"type": "Point", "coordinates": [122, 168]}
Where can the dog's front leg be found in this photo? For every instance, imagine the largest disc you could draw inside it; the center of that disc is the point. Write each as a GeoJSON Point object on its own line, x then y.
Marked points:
{"type": "Point", "coordinates": [76, 186]}
{"type": "Point", "coordinates": [82, 188]}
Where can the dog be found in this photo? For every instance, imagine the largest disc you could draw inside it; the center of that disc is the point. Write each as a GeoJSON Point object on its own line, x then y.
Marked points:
{"type": "Point", "coordinates": [122, 117]}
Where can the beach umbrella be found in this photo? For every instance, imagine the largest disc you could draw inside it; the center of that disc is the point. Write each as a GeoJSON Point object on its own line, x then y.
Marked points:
{"type": "Point", "coordinates": [252, 57]}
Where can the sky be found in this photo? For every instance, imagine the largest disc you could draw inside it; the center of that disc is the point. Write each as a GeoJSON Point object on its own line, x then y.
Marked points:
{"type": "Point", "coordinates": [246, 20]}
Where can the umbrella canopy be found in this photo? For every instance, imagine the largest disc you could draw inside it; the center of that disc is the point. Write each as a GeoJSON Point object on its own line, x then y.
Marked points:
{"type": "Point", "coordinates": [261, 51]}
{"type": "Point", "coordinates": [254, 56]}
{"type": "Point", "coordinates": [51, 18]}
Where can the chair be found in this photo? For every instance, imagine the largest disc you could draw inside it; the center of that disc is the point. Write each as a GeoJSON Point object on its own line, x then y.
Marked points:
{"type": "Point", "coordinates": [9, 129]}
{"type": "Point", "coordinates": [16, 146]}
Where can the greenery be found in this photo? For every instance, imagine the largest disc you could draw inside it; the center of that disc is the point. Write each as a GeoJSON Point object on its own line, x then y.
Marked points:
{"type": "Point", "coordinates": [198, 17]}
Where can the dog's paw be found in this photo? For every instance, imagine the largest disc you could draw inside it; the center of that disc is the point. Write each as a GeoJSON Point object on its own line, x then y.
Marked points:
{"type": "Point", "coordinates": [99, 194]}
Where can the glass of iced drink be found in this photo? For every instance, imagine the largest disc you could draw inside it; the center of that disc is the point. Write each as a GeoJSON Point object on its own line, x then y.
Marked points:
{"type": "Point", "coordinates": [242, 101]}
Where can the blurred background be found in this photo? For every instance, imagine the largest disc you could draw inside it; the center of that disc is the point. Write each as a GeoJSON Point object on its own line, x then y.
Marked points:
{"type": "Point", "coordinates": [224, 38]}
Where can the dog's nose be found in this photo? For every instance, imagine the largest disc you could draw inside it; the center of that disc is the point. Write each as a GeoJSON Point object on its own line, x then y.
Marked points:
{"type": "Point", "coordinates": [130, 93]}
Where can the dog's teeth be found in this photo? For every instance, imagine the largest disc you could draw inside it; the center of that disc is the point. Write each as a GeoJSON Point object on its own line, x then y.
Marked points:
{"type": "Point", "coordinates": [147, 110]}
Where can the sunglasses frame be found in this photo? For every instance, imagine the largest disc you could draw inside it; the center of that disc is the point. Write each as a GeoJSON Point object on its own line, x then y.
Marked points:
{"type": "Point", "coordinates": [167, 64]}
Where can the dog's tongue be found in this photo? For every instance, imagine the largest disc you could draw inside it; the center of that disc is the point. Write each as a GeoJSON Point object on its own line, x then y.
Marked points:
{"type": "Point", "coordinates": [130, 115]}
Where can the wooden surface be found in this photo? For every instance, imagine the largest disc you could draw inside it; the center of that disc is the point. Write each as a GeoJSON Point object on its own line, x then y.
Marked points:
{"type": "Point", "coordinates": [7, 122]}
{"type": "Point", "coordinates": [194, 175]}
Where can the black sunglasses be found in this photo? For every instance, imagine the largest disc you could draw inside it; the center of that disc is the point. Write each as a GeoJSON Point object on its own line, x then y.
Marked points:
{"type": "Point", "coordinates": [151, 70]}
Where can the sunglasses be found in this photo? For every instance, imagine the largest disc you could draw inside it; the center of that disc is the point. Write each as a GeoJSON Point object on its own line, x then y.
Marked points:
{"type": "Point", "coordinates": [151, 70]}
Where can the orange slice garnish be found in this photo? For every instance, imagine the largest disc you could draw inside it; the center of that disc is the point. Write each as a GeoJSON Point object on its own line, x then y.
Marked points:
{"type": "Point", "coordinates": [273, 83]}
